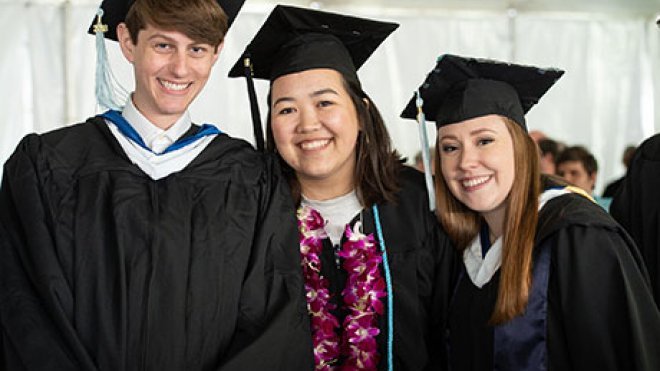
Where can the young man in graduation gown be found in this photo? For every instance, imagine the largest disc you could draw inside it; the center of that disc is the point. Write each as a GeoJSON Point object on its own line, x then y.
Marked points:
{"type": "Point", "coordinates": [636, 206]}
{"type": "Point", "coordinates": [138, 240]}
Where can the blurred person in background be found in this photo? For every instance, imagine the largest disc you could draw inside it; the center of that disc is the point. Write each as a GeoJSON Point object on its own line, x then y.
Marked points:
{"type": "Point", "coordinates": [636, 206]}
{"type": "Point", "coordinates": [613, 187]}
{"type": "Point", "coordinates": [579, 167]}
{"type": "Point", "coordinates": [549, 149]}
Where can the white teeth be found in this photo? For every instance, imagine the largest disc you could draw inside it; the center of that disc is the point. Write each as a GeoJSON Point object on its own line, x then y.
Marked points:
{"type": "Point", "coordinates": [314, 144]}
{"type": "Point", "coordinates": [475, 181]}
{"type": "Point", "coordinates": [173, 86]}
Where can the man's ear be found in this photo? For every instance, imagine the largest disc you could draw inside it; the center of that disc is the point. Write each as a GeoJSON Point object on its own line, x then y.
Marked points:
{"type": "Point", "coordinates": [593, 177]}
{"type": "Point", "coordinates": [125, 42]}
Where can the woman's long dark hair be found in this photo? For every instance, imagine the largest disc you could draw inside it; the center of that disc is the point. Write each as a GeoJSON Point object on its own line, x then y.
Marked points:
{"type": "Point", "coordinates": [377, 163]}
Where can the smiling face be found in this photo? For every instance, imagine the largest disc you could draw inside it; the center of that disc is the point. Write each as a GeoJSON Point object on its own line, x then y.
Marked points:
{"type": "Point", "coordinates": [477, 162]}
{"type": "Point", "coordinates": [170, 70]}
{"type": "Point", "coordinates": [315, 128]}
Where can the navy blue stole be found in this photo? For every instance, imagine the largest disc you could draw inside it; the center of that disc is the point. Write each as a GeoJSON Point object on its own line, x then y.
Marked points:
{"type": "Point", "coordinates": [484, 237]}
{"type": "Point", "coordinates": [520, 344]}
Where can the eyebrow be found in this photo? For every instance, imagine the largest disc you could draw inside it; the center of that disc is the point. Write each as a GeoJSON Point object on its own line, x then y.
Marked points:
{"type": "Point", "coordinates": [161, 36]}
{"type": "Point", "coordinates": [472, 133]}
{"type": "Point", "coordinates": [481, 130]}
{"type": "Point", "coordinates": [283, 99]}
{"type": "Point", "coordinates": [323, 91]}
{"type": "Point", "coordinates": [447, 136]}
{"type": "Point", "coordinates": [172, 40]}
{"type": "Point", "coordinates": [313, 94]}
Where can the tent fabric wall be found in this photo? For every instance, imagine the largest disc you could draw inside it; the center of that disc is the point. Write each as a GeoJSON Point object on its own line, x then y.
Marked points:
{"type": "Point", "coordinates": [605, 101]}
{"type": "Point", "coordinates": [597, 102]}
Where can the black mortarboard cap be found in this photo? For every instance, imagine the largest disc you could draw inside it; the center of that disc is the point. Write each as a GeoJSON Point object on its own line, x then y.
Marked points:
{"type": "Point", "coordinates": [460, 88]}
{"type": "Point", "coordinates": [297, 39]}
{"type": "Point", "coordinates": [114, 12]}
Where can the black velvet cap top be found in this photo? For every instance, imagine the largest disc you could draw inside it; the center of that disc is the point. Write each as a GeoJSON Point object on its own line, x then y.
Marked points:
{"type": "Point", "coordinates": [114, 12]}
{"type": "Point", "coordinates": [460, 88]}
{"type": "Point", "coordinates": [296, 39]}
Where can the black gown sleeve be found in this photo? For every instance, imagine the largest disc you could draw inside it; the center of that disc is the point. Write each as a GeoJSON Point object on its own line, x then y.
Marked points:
{"type": "Point", "coordinates": [601, 313]}
{"type": "Point", "coordinates": [423, 263]}
{"type": "Point", "coordinates": [35, 297]}
{"type": "Point", "coordinates": [636, 206]}
{"type": "Point", "coordinates": [273, 332]}
{"type": "Point", "coordinates": [446, 271]}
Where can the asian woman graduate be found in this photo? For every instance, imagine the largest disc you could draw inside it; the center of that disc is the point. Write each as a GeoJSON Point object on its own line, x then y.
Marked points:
{"type": "Point", "coordinates": [377, 266]}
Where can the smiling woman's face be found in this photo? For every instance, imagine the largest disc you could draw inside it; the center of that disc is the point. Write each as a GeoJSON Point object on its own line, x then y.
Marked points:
{"type": "Point", "coordinates": [315, 127]}
{"type": "Point", "coordinates": [477, 162]}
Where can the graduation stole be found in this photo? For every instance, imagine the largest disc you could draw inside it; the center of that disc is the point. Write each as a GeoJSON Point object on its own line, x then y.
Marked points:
{"type": "Point", "coordinates": [361, 296]}
{"type": "Point", "coordinates": [129, 132]}
{"type": "Point", "coordinates": [521, 344]}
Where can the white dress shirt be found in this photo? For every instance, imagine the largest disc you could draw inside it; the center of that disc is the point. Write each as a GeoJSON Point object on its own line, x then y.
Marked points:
{"type": "Point", "coordinates": [154, 137]}
{"type": "Point", "coordinates": [155, 164]}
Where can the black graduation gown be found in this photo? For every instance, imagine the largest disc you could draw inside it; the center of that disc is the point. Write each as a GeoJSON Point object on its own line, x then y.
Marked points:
{"type": "Point", "coordinates": [423, 267]}
{"type": "Point", "coordinates": [612, 188]}
{"type": "Point", "coordinates": [600, 314]}
{"type": "Point", "coordinates": [637, 207]}
{"type": "Point", "coordinates": [103, 268]}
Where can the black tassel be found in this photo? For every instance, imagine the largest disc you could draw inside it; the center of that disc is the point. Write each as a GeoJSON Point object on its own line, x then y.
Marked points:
{"type": "Point", "coordinates": [254, 105]}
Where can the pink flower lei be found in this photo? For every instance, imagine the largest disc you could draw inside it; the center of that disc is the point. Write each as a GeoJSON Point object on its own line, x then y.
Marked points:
{"type": "Point", "coordinates": [361, 296]}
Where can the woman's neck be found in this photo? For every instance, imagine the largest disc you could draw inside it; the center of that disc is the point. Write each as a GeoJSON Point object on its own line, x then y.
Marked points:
{"type": "Point", "coordinates": [322, 190]}
{"type": "Point", "coordinates": [495, 221]}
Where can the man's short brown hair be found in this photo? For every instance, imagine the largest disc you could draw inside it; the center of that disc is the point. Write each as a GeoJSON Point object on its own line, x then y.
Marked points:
{"type": "Point", "coordinates": [203, 21]}
{"type": "Point", "coordinates": [581, 154]}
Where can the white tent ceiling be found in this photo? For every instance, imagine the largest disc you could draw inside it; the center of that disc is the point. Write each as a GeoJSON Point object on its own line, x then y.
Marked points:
{"type": "Point", "coordinates": [614, 7]}
{"type": "Point", "coordinates": [620, 7]}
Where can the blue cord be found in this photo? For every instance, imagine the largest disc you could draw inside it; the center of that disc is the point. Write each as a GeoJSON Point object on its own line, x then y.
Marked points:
{"type": "Point", "coordinates": [390, 293]}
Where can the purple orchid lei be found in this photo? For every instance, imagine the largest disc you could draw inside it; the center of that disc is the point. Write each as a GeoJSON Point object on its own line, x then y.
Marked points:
{"type": "Point", "coordinates": [364, 288]}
